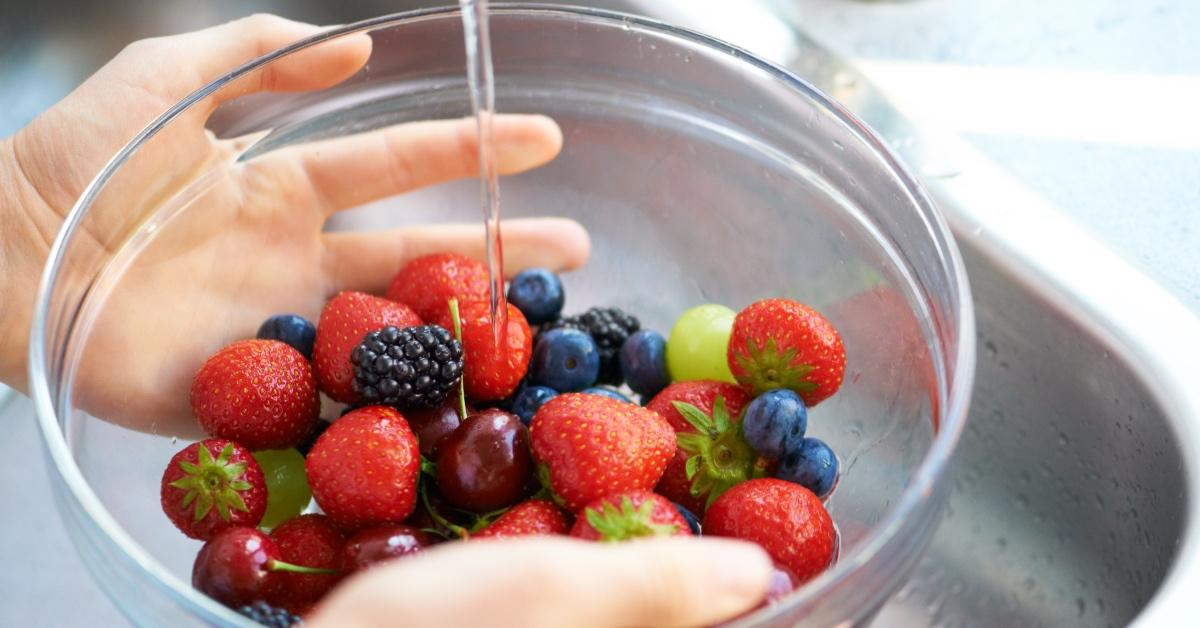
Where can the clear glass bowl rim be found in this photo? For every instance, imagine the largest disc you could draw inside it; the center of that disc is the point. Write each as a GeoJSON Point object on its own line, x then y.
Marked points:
{"type": "Point", "coordinates": [958, 368]}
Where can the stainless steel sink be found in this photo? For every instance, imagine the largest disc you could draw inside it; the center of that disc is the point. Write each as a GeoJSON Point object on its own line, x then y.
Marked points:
{"type": "Point", "coordinates": [1076, 493]}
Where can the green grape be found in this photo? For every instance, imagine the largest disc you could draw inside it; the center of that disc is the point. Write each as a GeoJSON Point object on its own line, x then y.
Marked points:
{"type": "Point", "coordinates": [698, 344]}
{"type": "Point", "coordinates": [287, 485]}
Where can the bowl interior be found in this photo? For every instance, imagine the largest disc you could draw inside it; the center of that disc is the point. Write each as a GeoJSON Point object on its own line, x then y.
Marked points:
{"type": "Point", "coordinates": [701, 176]}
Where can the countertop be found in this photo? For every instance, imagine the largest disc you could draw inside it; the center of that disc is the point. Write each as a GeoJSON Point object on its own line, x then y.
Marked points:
{"type": "Point", "coordinates": [1086, 102]}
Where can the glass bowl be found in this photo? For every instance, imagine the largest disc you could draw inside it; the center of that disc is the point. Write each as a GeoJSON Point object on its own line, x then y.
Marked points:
{"type": "Point", "coordinates": [702, 173]}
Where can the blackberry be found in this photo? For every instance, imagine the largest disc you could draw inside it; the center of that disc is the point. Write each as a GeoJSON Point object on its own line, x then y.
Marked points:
{"type": "Point", "coordinates": [270, 616]}
{"type": "Point", "coordinates": [414, 367]}
{"type": "Point", "coordinates": [610, 328]}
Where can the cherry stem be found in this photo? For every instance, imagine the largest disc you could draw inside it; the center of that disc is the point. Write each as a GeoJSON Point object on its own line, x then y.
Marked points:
{"type": "Point", "coordinates": [458, 530]}
{"type": "Point", "coordinates": [279, 565]}
{"type": "Point", "coordinates": [462, 390]}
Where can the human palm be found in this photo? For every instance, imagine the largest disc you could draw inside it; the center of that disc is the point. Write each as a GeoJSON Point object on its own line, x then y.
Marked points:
{"type": "Point", "coordinates": [247, 240]}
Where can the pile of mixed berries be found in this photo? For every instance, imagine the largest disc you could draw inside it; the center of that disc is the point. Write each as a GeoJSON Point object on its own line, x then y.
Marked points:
{"type": "Point", "coordinates": [455, 430]}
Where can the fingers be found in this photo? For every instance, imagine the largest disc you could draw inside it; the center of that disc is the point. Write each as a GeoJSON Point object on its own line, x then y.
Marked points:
{"type": "Point", "coordinates": [556, 582]}
{"type": "Point", "coordinates": [174, 66]}
{"type": "Point", "coordinates": [349, 171]}
{"type": "Point", "coordinates": [366, 261]}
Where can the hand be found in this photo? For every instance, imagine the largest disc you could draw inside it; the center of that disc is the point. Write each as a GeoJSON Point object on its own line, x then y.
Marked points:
{"type": "Point", "coordinates": [552, 582]}
{"type": "Point", "coordinates": [253, 244]}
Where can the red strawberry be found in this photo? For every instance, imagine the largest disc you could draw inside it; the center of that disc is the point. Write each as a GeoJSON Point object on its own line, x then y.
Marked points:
{"type": "Point", "coordinates": [710, 439]}
{"type": "Point", "coordinates": [427, 283]}
{"type": "Point", "coordinates": [786, 519]}
{"type": "Point", "coordinates": [700, 393]}
{"type": "Point", "coordinates": [488, 373]}
{"type": "Point", "coordinates": [212, 485]}
{"type": "Point", "coordinates": [629, 515]}
{"type": "Point", "coordinates": [534, 517]}
{"type": "Point", "coordinates": [363, 469]}
{"type": "Point", "coordinates": [345, 320]}
{"type": "Point", "coordinates": [260, 393]}
{"type": "Point", "coordinates": [588, 446]}
{"type": "Point", "coordinates": [308, 541]}
{"type": "Point", "coordinates": [777, 343]}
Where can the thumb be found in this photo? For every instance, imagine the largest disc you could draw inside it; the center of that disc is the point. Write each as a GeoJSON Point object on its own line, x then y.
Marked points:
{"type": "Point", "coordinates": [556, 582]}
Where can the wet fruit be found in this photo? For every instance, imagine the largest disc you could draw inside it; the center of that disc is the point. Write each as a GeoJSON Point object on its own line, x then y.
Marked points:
{"type": "Point", "coordinates": [287, 485]}
{"type": "Point", "coordinates": [699, 343]}
{"type": "Point", "coordinates": [258, 393]}
{"type": "Point", "coordinates": [485, 464]}
{"type": "Point", "coordinates": [212, 485]}
{"type": "Point", "coordinates": [779, 343]}
{"type": "Point", "coordinates": [363, 469]}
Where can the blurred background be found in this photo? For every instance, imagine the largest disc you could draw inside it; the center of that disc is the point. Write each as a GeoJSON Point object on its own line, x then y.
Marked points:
{"type": "Point", "coordinates": [1091, 103]}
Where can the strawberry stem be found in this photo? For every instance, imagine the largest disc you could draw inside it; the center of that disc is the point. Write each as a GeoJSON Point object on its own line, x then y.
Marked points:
{"type": "Point", "coordinates": [462, 390]}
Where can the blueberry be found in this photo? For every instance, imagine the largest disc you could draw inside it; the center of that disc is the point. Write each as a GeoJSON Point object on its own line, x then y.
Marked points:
{"type": "Point", "coordinates": [812, 465]}
{"type": "Point", "coordinates": [538, 293]}
{"type": "Point", "coordinates": [606, 392]}
{"type": "Point", "coordinates": [291, 329]}
{"type": "Point", "coordinates": [527, 402]}
{"type": "Point", "coordinates": [566, 360]}
{"type": "Point", "coordinates": [775, 422]}
{"type": "Point", "coordinates": [644, 363]}
{"type": "Point", "coordinates": [689, 517]}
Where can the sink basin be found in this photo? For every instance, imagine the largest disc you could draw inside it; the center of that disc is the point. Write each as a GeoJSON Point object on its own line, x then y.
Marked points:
{"type": "Point", "coordinates": [1075, 499]}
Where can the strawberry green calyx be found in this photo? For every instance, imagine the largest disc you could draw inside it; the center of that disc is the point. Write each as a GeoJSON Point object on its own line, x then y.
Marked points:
{"type": "Point", "coordinates": [212, 484]}
{"type": "Point", "coordinates": [547, 490]}
{"type": "Point", "coordinates": [766, 369]}
{"type": "Point", "coordinates": [718, 455]}
{"type": "Point", "coordinates": [627, 522]}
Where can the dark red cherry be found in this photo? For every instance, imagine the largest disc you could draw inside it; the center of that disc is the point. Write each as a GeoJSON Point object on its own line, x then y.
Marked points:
{"type": "Point", "coordinates": [234, 567]}
{"type": "Point", "coordinates": [388, 542]}
{"type": "Point", "coordinates": [485, 464]}
{"type": "Point", "coordinates": [432, 425]}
